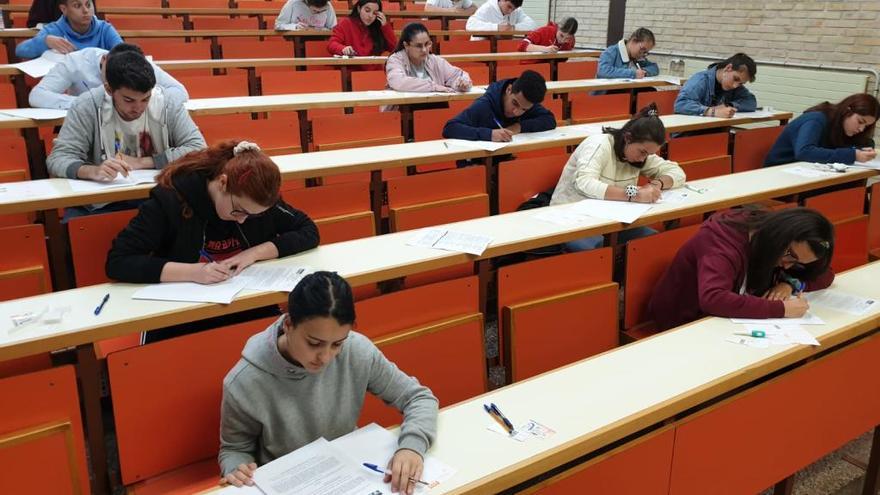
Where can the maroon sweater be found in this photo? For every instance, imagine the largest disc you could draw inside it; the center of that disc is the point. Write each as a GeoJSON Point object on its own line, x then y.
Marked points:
{"type": "Point", "coordinates": [706, 275]}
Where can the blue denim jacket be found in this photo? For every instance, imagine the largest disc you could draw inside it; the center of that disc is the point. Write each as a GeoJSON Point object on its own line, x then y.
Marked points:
{"type": "Point", "coordinates": [698, 94]}
{"type": "Point", "coordinates": [613, 66]}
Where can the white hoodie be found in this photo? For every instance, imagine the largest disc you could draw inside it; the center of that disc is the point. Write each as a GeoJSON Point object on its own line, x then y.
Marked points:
{"type": "Point", "coordinates": [296, 12]}
{"type": "Point", "coordinates": [489, 16]}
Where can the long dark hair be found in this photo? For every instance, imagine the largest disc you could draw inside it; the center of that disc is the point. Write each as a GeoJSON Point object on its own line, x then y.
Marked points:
{"type": "Point", "coordinates": [772, 233]}
{"type": "Point", "coordinates": [321, 295]}
{"type": "Point", "coordinates": [860, 103]}
{"type": "Point", "coordinates": [409, 32]}
{"type": "Point", "coordinates": [375, 29]}
{"type": "Point", "coordinates": [644, 126]}
{"type": "Point", "coordinates": [738, 61]}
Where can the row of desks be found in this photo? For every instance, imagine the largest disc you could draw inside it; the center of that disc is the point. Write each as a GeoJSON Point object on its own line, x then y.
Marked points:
{"type": "Point", "coordinates": [219, 11]}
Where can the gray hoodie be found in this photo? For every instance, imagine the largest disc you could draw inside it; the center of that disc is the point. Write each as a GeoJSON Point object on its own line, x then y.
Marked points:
{"type": "Point", "coordinates": [272, 407]}
{"type": "Point", "coordinates": [90, 119]}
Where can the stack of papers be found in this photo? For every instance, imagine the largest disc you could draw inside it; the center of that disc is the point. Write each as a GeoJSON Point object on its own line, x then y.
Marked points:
{"type": "Point", "coordinates": [254, 277]}
{"type": "Point", "coordinates": [806, 172]}
{"type": "Point", "coordinates": [757, 114]}
{"type": "Point", "coordinates": [41, 65]}
{"type": "Point", "coordinates": [777, 331]}
{"type": "Point", "coordinates": [135, 177]}
{"type": "Point", "coordinates": [841, 301]}
{"type": "Point", "coordinates": [450, 240]}
{"type": "Point", "coordinates": [875, 163]}
{"type": "Point", "coordinates": [273, 278]}
{"type": "Point", "coordinates": [620, 211]}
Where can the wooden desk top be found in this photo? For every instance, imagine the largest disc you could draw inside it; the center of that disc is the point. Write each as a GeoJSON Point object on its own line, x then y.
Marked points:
{"type": "Point", "coordinates": [220, 33]}
{"type": "Point", "coordinates": [389, 257]}
{"type": "Point", "coordinates": [56, 193]}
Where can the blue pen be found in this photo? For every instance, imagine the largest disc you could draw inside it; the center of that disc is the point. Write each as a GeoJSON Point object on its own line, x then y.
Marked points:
{"type": "Point", "coordinates": [101, 306]}
{"type": "Point", "coordinates": [497, 123]}
{"type": "Point", "coordinates": [382, 471]}
{"type": "Point", "coordinates": [501, 415]}
{"type": "Point", "coordinates": [206, 255]}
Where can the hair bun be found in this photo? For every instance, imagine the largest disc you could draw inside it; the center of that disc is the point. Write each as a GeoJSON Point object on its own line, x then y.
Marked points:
{"type": "Point", "coordinates": [244, 146]}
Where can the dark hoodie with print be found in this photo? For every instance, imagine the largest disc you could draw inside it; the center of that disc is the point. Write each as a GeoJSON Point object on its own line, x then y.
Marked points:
{"type": "Point", "coordinates": [477, 121]}
{"type": "Point", "coordinates": [175, 224]}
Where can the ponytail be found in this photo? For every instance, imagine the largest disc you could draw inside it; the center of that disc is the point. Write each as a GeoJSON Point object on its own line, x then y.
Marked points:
{"type": "Point", "coordinates": [644, 126]}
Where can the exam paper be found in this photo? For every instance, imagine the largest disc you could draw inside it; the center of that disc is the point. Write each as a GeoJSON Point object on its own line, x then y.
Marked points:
{"type": "Point", "coordinates": [450, 240]}
{"type": "Point", "coordinates": [35, 113]}
{"type": "Point", "coordinates": [840, 301]}
{"type": "Point", "coordinates": [559, 216]}
{"type": "Point", "coordinates": [673, 196]}
{"type": "Point", "coordinates": [807, 319]}
{"type": "Point", "coordinates": [475, 145]}
{"type": "Point", "coordinates": [41, 65]}
{"type": "Point", "coordinates": [316, 469]}
{"type": "Point", "coordinates": [221, 292]}
{"type": "Point", "coordinates": [875, 163]}
{"type": "Point", "coordinates": [31, 189]}
{"type": "Point", "coordinates": [621, 211]}
{"type": "Point", "coordinates": [758, 114]}
{"type": "Point", "coordinates": [755, 342]}
{"type": "Point", "coordinates": [135, 177]}
{"type": "Point", "coordinates": [531, 137]}
{"type": "Point", "coordinates": [376, 445]}
{"type": "Point", "coordinates": [273, 278]}
{"type": "Point", "coordinates": [783, 334]}
{"type": "Point", "coordinates": [807, 172]}
{"type": "Point", "coordinates": [235, 490]}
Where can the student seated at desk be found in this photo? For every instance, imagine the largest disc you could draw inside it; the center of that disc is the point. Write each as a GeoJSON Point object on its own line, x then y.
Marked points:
{"type": "Point", "coordinates": [412, 66]}
{"type": "Point", "coordinates": [212, 214]}
{"type": "Point", "coordinates": [306, 376]}
{"type": "Point", "coordinates": [829, 133]}
{"type": "Point", "coordinates": [608, 166]}
{"type": "Point", "coordinates": [306, 14]}
{"type": "Point", "coordinates": [551, 38]}
{"type": "Point", "coordinates": [83, 70]}
{"type": "Point", "coordinates": [365, 32]}
{"type": "Point", "coordinates": [500, 15]}
{"type": "Point", "coordinates": [125, 125]}
{"type": "Point", "coordinates": [746, 263]}
{"type": "Point", "coordinates": [719, 91]}
{"type": "Point", "coordinates": [77, 28]}
{"type": "Point", "coordinates": [457, 6]}
{"type": "Point", "coordinates": [508, 107]}
{"type": "Point", "coordinates": [627, 59]}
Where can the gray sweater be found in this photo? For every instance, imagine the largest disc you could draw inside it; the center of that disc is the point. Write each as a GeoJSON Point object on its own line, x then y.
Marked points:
{"type": "Point", "coordinates": [91, 117]}
{"type": "Point", "coordinates": [272, 407]}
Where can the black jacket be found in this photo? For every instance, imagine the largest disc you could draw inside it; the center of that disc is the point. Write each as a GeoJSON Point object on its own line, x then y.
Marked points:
{"type": "Point", "coordinates": [160, 233]}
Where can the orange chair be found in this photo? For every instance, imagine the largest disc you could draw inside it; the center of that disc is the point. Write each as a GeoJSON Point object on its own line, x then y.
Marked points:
{"type": "Point", "coordinates": [14, 168]}
{"type": "Point", "coordinates": [513, 71]}
{"type": "Point", "coordinates": [176, 383]}
{"type": "Point", "coordinates": [417, 201]}
{"type": "Point", "coordinates": [573, 294]}
{"type": "Point", "coordinates": [246, 48]}
{"type": "Point", "coordinates": [750, 146]}
{"type": "Point", "coordinates": [219, 22]}
{"type": "Point", "coordinates": [457, 24]}
{"type": "Point", "coordinates": [435, 336]}
{"type": "Point", "coordinates": [259, 4]}
{"type": "Point", "coordinates": [665, 100]}
{"type": "Point", "coordinates": [845, 210]}
{"type": "Point", "coordinates": [131, 3]}
{"type": "Point", "coordinates": [479, 73]}
{"type": "Point", "coordinates": [646, 261]}
{"type": "Point", "coordinates": [355, 131]}
{"type": "Point", "coordinates": [214, 4]}
{"type": "Point", "coordinates": [874, 221]}
{"type": "Point", "coordinates": [26, 364]}
{"type": "Point", "coordinates": [706, 167]}
{"type": "Point", "coordinates": [689, 148]}
{"type": "Point", "coordinates": [313, 81]}
{"type": "Point", "coordinates": [7, 95]}
{"type": "Point", "coordinates": [587, 108]}
{"type": "Point", "coordinates": [366, 80]}
{"type": "Point", "coordinates": [41, 434]}
{"type": "Point", "coordinates": [122, 22]}
{"type": "Point", "coordinates": [277, 135]}
{"type": "Point", "coordinates": [428, 126]}
{"type": "Point", "coordinates": [520, 179]}
{"type": "Point", "coordinates": [555, 107]}
{"type": "Point", "coordinates": [341, 211]}
{"type": "Point", "coordinates": [571, 71]}
{"type": "Point", "coordinates": [173, 49]}
{"type": "Point", "coordinates": [506, 46]}
{"type": "Point", "coordinates": [215, 86]}
{"type": "Point", "coordinates": [452, 47]}
{"type": "Point", "coordinates": [340, 7]}
{"type": "Point", "coordinates": [24, 267]}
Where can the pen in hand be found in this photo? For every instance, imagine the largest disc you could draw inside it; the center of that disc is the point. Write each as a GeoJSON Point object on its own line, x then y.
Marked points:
{"type": "Point", "coordinates": [376, 468]}
{"type": "Point", "coordinates": [207, 256]}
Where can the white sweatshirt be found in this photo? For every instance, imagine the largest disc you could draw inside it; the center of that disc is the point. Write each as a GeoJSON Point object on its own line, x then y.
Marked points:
{"type": "Point", "coordinates": [296, 12]}
{"type": "Point", "coordinates": [489, 16]}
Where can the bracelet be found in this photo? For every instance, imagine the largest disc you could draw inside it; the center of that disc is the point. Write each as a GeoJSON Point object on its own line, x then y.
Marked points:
{"type": "Point", "coordinates": [631, 192]}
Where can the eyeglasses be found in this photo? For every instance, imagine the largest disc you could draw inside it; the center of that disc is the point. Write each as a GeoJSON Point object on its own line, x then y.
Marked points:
{"type": "Point", "coordinates": [241, 212]}
{"type": "Point", "coordinates": [420, 46]}
{"type": "Point", "coordinates": [792, 257]}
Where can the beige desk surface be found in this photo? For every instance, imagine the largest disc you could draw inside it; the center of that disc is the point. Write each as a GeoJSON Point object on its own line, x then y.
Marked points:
{"type": "Point", "coordinates": [369, 260]}
{"type": "Point", "coordinates": [335, 162]}
{"type": "Point", "coordinates": [196, 11]}
{"type": "Point", "coordinates": [223, 33]}
{"type": "Point", "coordinates": [607, 397]}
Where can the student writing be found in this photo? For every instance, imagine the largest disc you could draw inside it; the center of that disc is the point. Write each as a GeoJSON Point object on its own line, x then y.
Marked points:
{"type": "Point", "coordinates": [306, 14]}
{"type": "Point", "coordinates": [412, 66]}
{"type": "Point", "coordinates": [719, 91]}
{"type": "Point", "coordinates": [551, 38]}
{"type": "Point", "coordinates": [627, 59]}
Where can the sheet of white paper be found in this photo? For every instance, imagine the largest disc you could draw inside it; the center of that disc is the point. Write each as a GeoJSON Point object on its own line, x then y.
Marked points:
{"type": "Point", "coordinates": [531, 137]}
{"type": "Point", "coordinates": [621, 211]}
{"type": "Point", "coordinates": [758, 114]}
{"type": "Point", "coordinates": [41, 65]}
{"type": "Point", "coordinates": [674, 196]}
{"type": "Point", "coordinates": [783, 334]}
{"type": "Point", "coordinates": [235, 490]}
{"type": "Point", "coordinates": [13, 191]}
{"type": "Point", "coordinates": [475, 145]}
{"type": "Point", "coordinates": [559, 216]}
{"type": "Point", "coordinates": [316, 469]}
{"type": "Point", "coordinates": [135, 177]}
{"type": "Point", "coordinates": [841, 301]}
{"type": "Point", "coordinates": [807, 319]}
{"type": "Point", "coordinates": [451, 240]}
{"type": "Point", "coordinates": [748, 341]}
{"type": "Point", "coordinates": [222, 292]}
{"type": "Point", "coordinates": [376, 445]}
{"type": "Point", "coordinates": [35, 113]}
{"type": "Point", "coordinates": [274, 278]}
{"type": "Point", "coordinates": [806, 172]}
{"type": "Point", "coordinates": [875, 163]}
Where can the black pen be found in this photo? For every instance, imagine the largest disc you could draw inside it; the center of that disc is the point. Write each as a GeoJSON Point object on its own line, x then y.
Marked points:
{"type": "Point", "coordinates": [103, 302]}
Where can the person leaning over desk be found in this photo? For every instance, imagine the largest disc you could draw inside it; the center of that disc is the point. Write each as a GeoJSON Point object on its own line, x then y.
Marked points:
{"type": "Point", "coordinates": [719, 91]}
{"type": "Point", "coordinates": [305, 377]}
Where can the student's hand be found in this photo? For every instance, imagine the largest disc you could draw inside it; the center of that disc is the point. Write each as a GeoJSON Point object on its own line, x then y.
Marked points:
{"type": "Point", "coordinates": [349, 51]}
{"type": "Point", "coordinates": [514, 128]}
{"type": "Point", "coordinates": [796, 307]}
{"type": "Point", "coordinates": [244, 475]}
{"type": "Point", "coordinates": [647, 194]}
{"type": "Point", "coordinates": [135, 163]}
{"type": "Point", "coordinates": [380, 16]}
{"type": "Point", "coordinates": [640, 73]}
{"type": "Point", "coordinates": [302, 25]}
{"type": "Point", "coordinates": [779, 292]}
{"type": "Point", "coordinates": [551, 49]}
{"type": "Point", "coordinates": [59, 44]}
{"type": "Point", "coordinates": [724, 111]}
{"type": "Point", "coordinates": [240, 261]}
{"type": "Point", "coordinates": [463, 86]}
{"type": "Point", "coordinates": [501, 135]}
{"type": "Point", "coordinates": [865, 155]}
{"type": "Point", "coordinates": [505, 27]}
{"type": "Point", "coordinates": [104, 172]}
{"type": "Point", "coordinates": [210, 273]}
{"type": "Point", "coordinates": [405, 465]}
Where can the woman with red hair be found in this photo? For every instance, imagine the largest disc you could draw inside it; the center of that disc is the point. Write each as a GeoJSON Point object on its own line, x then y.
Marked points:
{"type": "Point", "coordinates": [829, 133]}
{"type": "Point", "coordinates": [213, 213]}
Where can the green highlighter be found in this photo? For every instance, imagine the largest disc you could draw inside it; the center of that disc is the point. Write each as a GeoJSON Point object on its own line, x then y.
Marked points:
{"type": "Point", "coordinates": [754, 333]}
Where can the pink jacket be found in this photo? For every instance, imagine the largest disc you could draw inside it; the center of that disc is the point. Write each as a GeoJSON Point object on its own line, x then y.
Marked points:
{"type": "Point", "coordinates": [444, 76]}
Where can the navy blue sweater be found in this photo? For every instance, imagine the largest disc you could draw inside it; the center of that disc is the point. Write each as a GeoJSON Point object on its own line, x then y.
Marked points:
{"type": "Point", "coordinates": [805, 139]}
{"type": "Point", "coordinates": [477, 121]}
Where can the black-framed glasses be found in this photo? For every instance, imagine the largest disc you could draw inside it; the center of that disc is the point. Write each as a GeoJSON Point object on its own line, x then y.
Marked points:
{"type": "Point", "coordinates": [241, 212]}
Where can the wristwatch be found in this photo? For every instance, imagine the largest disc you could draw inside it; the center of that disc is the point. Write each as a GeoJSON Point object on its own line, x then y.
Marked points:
{"type": "Point", "coordinates": [631, 192]}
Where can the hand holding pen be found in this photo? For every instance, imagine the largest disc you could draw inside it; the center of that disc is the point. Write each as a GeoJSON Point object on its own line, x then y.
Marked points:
{"type": "Point", "coordinates": [865, 154]}
{"type": "Point", "coordinates": [210, 272]}
{"type": "Point", "coordinates": [501, 135]}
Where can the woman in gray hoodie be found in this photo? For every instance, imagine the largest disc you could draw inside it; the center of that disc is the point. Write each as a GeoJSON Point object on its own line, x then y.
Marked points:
{"type": "Point", "coordinates": [305, 377]}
